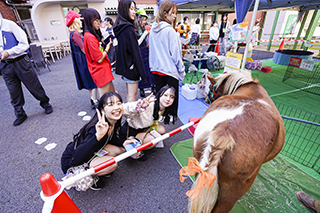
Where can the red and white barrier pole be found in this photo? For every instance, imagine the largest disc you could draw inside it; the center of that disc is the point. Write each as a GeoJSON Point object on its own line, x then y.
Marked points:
{"type": "Point", "coordinates": [57, 200]}
{"type": "Point", "coordinates": [71, 180]}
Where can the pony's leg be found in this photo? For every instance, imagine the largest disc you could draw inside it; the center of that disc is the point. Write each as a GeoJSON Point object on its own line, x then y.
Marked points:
{"type": "Point", "coordinates": [231, 190]}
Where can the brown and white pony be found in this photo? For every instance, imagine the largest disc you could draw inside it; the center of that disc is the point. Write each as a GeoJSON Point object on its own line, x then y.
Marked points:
{"type": "Point", "coordinates": [241, 130]}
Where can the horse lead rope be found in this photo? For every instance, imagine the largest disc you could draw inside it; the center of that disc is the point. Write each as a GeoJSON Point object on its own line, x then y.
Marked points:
{"type": "Point", "coordinates": [71, 180]}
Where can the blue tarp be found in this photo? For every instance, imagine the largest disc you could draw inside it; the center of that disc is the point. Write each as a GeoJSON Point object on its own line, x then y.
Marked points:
{"type": "Point", "coordinates": [241, 8]}
{"type": "Point", "coordinates": [177, 1]}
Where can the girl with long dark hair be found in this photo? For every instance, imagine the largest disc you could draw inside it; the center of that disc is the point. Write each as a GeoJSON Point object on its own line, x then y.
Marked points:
{"type": "Point", "coordinates": [100, 133]}
{"type": "Point", "coordinates": [129, 62]}
{"type": "Point", "coordinates": [109, 30]}
{"type": "Point", "coordinates": [98, 140]}
{"type": "Point", "coordinates": [143, 116]}
{"type": "Point", "coordinates": [98, 62]}
{"type": "Point", "coordinates": [165, 56]}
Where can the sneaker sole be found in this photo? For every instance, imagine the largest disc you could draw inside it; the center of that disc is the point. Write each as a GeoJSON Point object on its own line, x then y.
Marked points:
{"type": "Point", "coordinates": [95, 189]}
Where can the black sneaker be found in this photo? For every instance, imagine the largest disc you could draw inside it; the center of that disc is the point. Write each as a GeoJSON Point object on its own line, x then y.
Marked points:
{"type": "Point", "coordinates": [98, 185]}
{"type": "Point", "coordinates": [143, 158]}
{"type": "Point", "coordinates": [94, 105]}
{"type": "Point", "coordinates": [20, 120]}
{"type": "Point", "coordinates": [48, 109]}
{"type": "Point", "coordinates": [108, 175]}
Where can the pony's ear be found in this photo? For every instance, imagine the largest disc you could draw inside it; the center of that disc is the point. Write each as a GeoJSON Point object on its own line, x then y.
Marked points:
{"type": "Point", "coordinates": [211, 78]}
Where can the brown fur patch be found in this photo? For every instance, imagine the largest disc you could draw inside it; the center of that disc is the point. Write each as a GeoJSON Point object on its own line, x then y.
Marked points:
{"type": "Point", "coordinates": [242, 144]}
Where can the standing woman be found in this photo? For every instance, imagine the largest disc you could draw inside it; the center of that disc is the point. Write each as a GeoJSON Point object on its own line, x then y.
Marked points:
{"type": "Point", "coordinates": [165, 57]}
{"type": "Point", "coordinates": [109, 30]}
{"type": "Point", "coordinates": [130, 64]}
{"type": "Point", "coordinates": [213, 36]}
{"type": "Point", "coordinates": [98, 62]}
{"type": "Point", "coordinates": [224, 29]}
{"type": "Point", "coordinates": [83, 76]}
{"type": "Point", "coordinates": [195, 33]}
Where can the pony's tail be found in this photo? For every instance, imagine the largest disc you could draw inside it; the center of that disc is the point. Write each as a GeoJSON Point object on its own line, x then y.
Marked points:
{"type": "Point", "coordinates": [207, 198]}
{"type": "Point", "coordinates": [217, 145]}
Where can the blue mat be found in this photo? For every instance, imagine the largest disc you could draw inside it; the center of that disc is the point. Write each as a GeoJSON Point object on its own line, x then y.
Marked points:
{"type": "Point", "coordinates": [187, 109]}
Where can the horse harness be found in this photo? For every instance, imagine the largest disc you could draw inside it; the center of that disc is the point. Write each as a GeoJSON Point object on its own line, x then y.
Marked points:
{"type": "Point", "coordinates": [211, 93]}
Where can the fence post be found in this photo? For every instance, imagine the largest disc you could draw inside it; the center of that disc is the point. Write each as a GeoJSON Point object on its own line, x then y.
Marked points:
{"type": "Point", "coordinates": [301, 29]}
{"type": "Point", "coordinates": [312, 27]}
{"type": "Point", "coordinates": [273, 29]}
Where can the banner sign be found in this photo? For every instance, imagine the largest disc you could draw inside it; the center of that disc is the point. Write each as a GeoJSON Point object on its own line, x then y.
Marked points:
{"type": "Point", "coordinates": [233, 61]}
{"type": "Point", "coordinates": [302, 63]}
{"type": "Point", "coordinates": [239, 32]}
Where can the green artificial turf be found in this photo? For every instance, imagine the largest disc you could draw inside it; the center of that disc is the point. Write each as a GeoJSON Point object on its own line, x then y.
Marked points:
{"type": "Point", "coordinates": [274, 187]}
{"type": "Point", "coordinates": [279, 91]}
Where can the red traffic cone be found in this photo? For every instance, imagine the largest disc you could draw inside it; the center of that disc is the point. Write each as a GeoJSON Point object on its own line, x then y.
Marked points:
{"type": "Point", "coordinates": [281, 45]}
{"type": "Point", "coordinates": [51, 191]}
{"type": "Point", "coordinates": [217, 48]}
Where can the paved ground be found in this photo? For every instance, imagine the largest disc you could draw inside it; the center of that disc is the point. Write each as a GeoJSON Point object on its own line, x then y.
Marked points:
{"type": "Point", "coordinates": [150, 186]}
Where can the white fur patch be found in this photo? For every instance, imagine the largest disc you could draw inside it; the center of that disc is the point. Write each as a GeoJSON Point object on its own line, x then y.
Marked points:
{"type": "Point", "coordinates": [263, 102]}
{"type": "Point", "coordinates": [209, 122]}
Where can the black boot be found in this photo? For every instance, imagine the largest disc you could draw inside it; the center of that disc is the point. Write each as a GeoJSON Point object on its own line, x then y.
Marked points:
{"type": "Point", "coordinates": [153, 90]}
{"type": "Point", "coordinates": [142, 94]}
{"type": "Point", "coordinates": [20, 120]}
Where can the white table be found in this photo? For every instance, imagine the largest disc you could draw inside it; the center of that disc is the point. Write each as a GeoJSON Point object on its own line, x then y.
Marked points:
{"type": "Point", "coordinates": [51, 46]}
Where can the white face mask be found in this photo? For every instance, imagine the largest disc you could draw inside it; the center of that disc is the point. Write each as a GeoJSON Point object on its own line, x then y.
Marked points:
{"type": "Point", "coordinates": [216, 25]}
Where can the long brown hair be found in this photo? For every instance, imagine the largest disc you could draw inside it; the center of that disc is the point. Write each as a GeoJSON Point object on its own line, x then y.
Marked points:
{"type": "Point", "coordinates": [89, 16]}
{"type": "Point", "coordinates": [165, 7]}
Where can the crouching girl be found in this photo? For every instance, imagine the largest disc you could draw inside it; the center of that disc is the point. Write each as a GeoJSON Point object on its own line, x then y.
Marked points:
{"type": "Point", "coordinates": [98, 140]}
{"type": "Point", "coordinates": [143, 117]}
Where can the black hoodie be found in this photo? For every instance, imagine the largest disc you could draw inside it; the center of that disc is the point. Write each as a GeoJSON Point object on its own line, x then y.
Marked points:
{"type": "Point", "coordinates": [129, 61]}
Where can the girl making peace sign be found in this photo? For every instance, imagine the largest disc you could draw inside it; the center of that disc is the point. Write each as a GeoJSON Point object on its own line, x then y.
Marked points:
{"type": "Point", "coordinates": [143, 116]}
{"type": "Point", "coordinates": [98, 140]}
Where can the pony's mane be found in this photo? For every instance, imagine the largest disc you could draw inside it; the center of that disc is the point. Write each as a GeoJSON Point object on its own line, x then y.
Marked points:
{"type": "Point", "coordinates": [233, 81]}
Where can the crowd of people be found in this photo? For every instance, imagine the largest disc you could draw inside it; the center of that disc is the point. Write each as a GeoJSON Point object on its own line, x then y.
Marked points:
{"type": "Point", "coordinates": [144, 57]}
{"type": "Point", "coordinates": [138, 56]}
{"type": "Point", "coordinates": [127, 45]}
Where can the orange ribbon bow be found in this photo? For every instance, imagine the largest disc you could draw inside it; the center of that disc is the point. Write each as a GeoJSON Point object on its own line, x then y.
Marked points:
{"type": "Point", "coordinates": [206, 179]}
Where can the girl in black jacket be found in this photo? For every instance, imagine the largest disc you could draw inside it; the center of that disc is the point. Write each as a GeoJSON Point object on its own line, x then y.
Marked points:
{"type": "Point", "coordinates": [129, 62]}
{"type": "Point", "coordinates": [98, 140]}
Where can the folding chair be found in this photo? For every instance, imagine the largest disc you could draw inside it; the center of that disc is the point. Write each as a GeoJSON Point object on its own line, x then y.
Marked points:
{"type": "Point", "coordinates": [37, 57]}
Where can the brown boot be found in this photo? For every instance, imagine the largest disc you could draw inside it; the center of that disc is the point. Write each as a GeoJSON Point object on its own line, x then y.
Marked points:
{"type": "Point", "coordinates": [317, 206]}
{"type": "Point", "coordinates": [307, 201]}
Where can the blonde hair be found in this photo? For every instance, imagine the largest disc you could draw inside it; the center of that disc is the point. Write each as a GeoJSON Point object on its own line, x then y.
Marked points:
{"type": "Point", "coordinates": [76, 25]}
{"type": "Point", "coordinates": [165, 7]}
